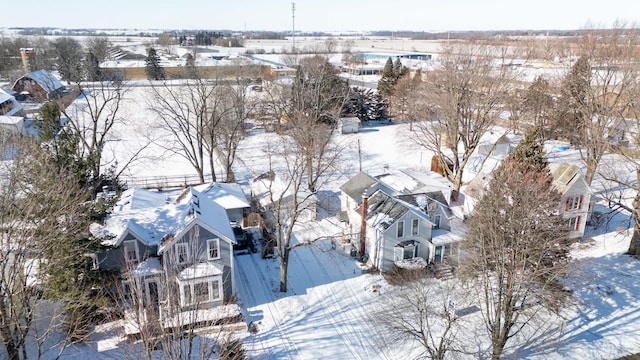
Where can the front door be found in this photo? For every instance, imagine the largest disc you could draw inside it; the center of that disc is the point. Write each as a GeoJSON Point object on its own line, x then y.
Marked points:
{"type": "Point", "coordinates": [438, 253]}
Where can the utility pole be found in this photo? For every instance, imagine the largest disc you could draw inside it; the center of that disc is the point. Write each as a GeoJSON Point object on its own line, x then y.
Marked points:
{"type": "Point", "coordinates": [293, 24]}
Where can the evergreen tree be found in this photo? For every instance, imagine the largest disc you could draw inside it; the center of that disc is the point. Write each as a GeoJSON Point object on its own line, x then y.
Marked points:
{"type": "Point", "coordinates": [530, 152]}
{"type": "Point", "coordinates": [152, 69]}
{"type": "Point", "coordinates": [573, 99]}
{"type": "Point", "coordinates": [517, 249]}
{"type": "Point", "coordinates": [387, 81]}
{"type": "Point", "coordinates": [367, 104]}
{"type": "Point", "coordinates": [398, 70]}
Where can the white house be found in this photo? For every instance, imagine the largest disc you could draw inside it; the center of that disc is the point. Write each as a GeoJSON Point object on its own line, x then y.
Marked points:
{"type": "Point", "coordinates": [576, 204]}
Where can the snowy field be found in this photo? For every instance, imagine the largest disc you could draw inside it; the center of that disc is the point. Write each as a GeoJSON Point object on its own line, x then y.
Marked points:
{"type": "Point", "coordinates": [326, 314]}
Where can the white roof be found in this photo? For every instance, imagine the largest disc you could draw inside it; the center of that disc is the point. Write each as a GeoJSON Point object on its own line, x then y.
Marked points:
{"type": "Point", "coordinates": [4, 96]}
{"type": "Point", "coordinates": [147, 215]}
{"type": "Point", "coordinates": [11, 120]}
{"type": "Point", "coordinates": [229, 196]}
{"type": "Point", "coordinates": [150, 266]}
{"type": "Point", "coordinates": [45, 79]}
{"type": "Point", "coordinates": [200, 270]}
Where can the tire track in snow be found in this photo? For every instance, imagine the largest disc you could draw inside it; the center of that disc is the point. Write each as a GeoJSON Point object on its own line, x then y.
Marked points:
{"type": "Point", "coordinates": [274, 313]}
{"type": "Point", "coordinates": [243, 284]}
{"type": "Point", "coordinates": [366, 342]}
{"type": "Point", "coordinates": [329, 315]}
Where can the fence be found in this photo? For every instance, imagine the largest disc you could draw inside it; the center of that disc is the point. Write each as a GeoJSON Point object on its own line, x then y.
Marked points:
{"type": "Point", "coordinates": [164, 181]}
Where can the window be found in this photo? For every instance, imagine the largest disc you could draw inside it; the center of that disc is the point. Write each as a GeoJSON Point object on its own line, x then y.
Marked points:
{"type": "Point", "coordinates": [405, 250]}
{"type": "Point", "coordinates": [213, 249]}
{"type": "Point", "coordinates": [436, 221]}
{"type": "Point", "coordinates": [414, 227]}
{"type": "Point", "coordinates": [186, 294]}
{"type": "Point", "coordinates": [131, 251]}
{"type": "Point", "coordinates": [400, 229]}
{"type": "Point", "coordinates": [199, 292]}
{"type": "Point", "coordinates": [182, 253]}
{"type": "Point", "coordinates": [573, 203]}
{"type": "Point", "coordinates": [574, 223]}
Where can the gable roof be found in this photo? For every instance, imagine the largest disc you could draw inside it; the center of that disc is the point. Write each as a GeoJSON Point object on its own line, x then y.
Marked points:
{"type": "Point", "coordinates": [45, 79]}
{"type": "Point", "coordinates": [428, 202]}
{"type": "Point", "coordinates": [384, 210]}
{"type": "Point", "coordinates": [227, 195]}
{"type": "Point", "coordinates": [357, 185]}
{"type": "Point", "coordinates": [565, 175]}
{"type": "Point", "coordinates": [151, 217]}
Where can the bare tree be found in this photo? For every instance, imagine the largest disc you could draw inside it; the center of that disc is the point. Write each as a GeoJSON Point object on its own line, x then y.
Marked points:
{"type": "Point", "coordinates": [404, 96]}
{"type": "Point", "coordinates": [233, 113]}
{"type": "Point", "coordinates": [318, 98]}
{"type": "Point", "coordinates": [463, 100]}
{"type": "Point", "coordinates": [69, 58]}
{"type": "Point", "coordinates": [289, 204]}
{"type": "Point", "coordinates": [95, 117]}
{"type": "Point", "coordinates": [516, 251]}
{"type": "Point", "coordinates": [421, 311]}
{"type": "Point", "coordinates": [204, 118]}
{"type": "Point", "coordinates": [597, 93]}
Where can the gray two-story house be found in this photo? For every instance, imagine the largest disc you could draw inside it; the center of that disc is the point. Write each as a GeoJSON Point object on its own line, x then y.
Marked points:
{"type": "Point", "coordinates": [174, 252]}
{"type": "Point", "coordinates": [406, 226]}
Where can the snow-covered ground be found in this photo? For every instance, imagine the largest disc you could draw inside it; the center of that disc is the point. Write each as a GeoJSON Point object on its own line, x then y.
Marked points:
{"type": "Point", "coordinates": [327, 311]}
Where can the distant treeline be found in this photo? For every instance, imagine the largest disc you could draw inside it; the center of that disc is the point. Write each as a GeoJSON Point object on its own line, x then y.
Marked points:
{"type": "Point", "coordinates": [204, 36]}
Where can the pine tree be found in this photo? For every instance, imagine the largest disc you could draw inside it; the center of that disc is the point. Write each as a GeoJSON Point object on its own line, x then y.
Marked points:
{"type": "Point", "coordinates": [387, 81]}
{"type": "Point", "coordinates": [152, 69]}
{"type": "Point", "coordinates": [573, 99]}
{"type": "Point", "coordinates": [398, 70]}
{"type": "Point", "coordinates": [530, 152]}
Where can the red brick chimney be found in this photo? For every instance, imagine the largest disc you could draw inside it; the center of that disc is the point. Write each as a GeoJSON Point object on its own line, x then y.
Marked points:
{"type": "Point", "coordinates": [363, 224]}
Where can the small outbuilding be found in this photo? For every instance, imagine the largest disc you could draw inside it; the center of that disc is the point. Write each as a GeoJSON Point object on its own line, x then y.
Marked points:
{"type": "Point", "coordinates": [349, 125]}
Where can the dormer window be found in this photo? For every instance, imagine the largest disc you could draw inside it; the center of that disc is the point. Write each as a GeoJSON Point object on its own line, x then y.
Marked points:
{"type": "Point", "coordinates": [131, 251]}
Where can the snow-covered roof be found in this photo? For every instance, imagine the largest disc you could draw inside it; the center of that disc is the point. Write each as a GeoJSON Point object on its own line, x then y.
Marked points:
{"type": "Point", "coordinates": [11, 120]}
{"type": "Point", "coordinates": [150, 266]}
{"type": "Point", "coordinates": [149, 217]}
{"type": "Point", "coordinates": [4, 96]}
{"type": "Point", "coordinates": [200, 270]}
{"type": "Point", "coordinates": [565, 175]}
{"type": "Point", "coordinates": [45, 79]}
{"type": "Point", "coordinates": [227, 195]}
{"type": "Point", "coordinates": [384, 210]}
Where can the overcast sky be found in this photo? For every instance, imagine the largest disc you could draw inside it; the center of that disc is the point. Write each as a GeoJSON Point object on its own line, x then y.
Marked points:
{"type": "Point", "coordinates": [320, 15]}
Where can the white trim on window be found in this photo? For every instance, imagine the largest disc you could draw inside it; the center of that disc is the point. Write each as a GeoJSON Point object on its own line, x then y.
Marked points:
{"type": "Point", "coordinates": [215, 249]}
{"type": "Point", "coordinates": [182, 253]}
{"type": "Point", "coordinates": [400, 230]}
{"type": "Point", "coordinates": [190, 296]}
{"type": "Point", "coordinates": [415, 225]}
{"type": "Point", "coordinates": [127, 247]}
{"type": "Point", "coordinates": [148, 290]}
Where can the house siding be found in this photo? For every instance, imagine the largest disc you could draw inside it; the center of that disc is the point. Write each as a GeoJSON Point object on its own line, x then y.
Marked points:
{"type": "Point", "coordinates": [198, 254]}
{"type": "Point", "coordinates": [391, 239]}
{"type": "Point", "coordinates": [577, 189]}
{"type": "Point", "coordinates": [115, 258]}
